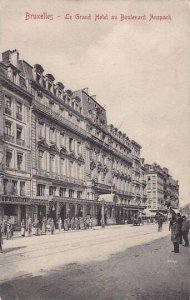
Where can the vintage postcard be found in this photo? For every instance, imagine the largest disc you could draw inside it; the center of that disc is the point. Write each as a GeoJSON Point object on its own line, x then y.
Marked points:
{"type": "Point", "coordinates": [94, 149]}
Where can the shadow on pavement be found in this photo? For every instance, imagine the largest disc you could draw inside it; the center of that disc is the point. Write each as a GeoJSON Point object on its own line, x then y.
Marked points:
{"type": "Point", "coordinates": [145, 272]}
{"type": "Point", "coordinates": [12, 249]}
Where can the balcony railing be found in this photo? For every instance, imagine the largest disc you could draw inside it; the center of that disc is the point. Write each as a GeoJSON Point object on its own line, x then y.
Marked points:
{"type": "Point", "coordinates": [20, 142]}
{"type": "Point", "coordinates": [68, 199]}
{"type": "Point", "coordinates": [103, 186]}
{"type": "Point", "coordinates": [8, 110]}
{"type": "Point", "coordinates": [136, 182]}
{"type": "Point", "coordinates": [60, 177]}
{"type": "Point", "coordinates": [121, 155]}
{"type": "Point", "coordinates": [57, 117]}
{"type": "Point", "coordinates": [9, 138]}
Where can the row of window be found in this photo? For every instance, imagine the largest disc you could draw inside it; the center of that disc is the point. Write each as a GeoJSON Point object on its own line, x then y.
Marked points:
{"type": "Point", "coordinates": [9, 104]}
{"type": "Point", "coordinates": [58, 109]}
{"type": "Point", "coordinates": [9, 132]}
{"type": "Point", "coordinates": [57, 164]}
{"type": "Point", "coordinates": [52, 191]}
{"type": "Point", "coordinates": [18, 163]}
{"type": "Point", "coordinates": [53, 137]}
{"type": "Point", "coordinates": [50, 86]}
{"type": "Point", "coordinates": [14, 187]}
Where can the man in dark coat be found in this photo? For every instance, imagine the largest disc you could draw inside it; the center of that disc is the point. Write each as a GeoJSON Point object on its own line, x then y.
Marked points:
{"type": "Point", "coordinates": [175, 233]}
{"type": "Point", "coordinates": [1, 239]}
{"type": "Point", "coordinates": [185, 231]}
{"type": "Point", "coordinates": [179, 221]}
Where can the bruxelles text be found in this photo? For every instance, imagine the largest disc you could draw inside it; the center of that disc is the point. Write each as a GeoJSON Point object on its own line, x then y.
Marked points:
{"type": "Point", "coordinates": [98, 17]}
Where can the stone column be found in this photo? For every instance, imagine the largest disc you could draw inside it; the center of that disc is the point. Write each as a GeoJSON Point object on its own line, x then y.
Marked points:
{"type": "Point", "coordinates": [57, 209]}
{"type": "Point", "coordinates": [76, 210]}
{"type": "Point", "coordinates": [19, 214]}
{"type": "Point", "coordinates": [1, 184]}
{"type": "Point", "coordinates": [84, 210]}
{"type": "Point", "coordinates": [1, 212]}
{"type": "Point", "coordinates": [67, 209]}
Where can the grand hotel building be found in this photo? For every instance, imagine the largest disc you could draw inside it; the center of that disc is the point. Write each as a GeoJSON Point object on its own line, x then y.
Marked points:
{"type": "Point", "coordinates": [58, 154]}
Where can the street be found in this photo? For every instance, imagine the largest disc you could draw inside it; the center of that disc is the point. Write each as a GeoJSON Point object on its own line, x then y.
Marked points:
{"type": "Point", "coordinates": [118, 262]}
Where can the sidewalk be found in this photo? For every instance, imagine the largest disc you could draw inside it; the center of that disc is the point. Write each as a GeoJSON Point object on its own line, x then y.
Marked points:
{"type": "Point", "coordinates": [17, 234]}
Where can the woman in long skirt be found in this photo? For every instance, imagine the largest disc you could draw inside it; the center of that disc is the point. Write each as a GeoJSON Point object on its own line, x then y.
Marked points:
{"type": "Point", "coordinates": [59, 224]}
{"type": "Point", "coordinates": [52, 226]}
{"type": "Point", "coordinates": [23, 228]}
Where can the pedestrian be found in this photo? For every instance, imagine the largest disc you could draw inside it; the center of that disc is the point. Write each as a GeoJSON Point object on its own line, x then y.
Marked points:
{"type": "Point", "coordinates": [5, 227]}
{"type": "Point", "coordinates": [65, 225]}
{"type": "Point", "coordinates": [87, 223]}
{"type": "Point", "coordinates": [1, 239]}
{"type": "Point", "coordinates": [59, 224]}
{"type": "Point", "coordinates": [160, 222]}
{"type": "Point", "coordinates": [44, 225]}
{"type": "Point", "coordinates": [29, 226]}
{"type": "Point", "coordinates": [72, 223]}
{"type": "Point", "coordinates": [175, 233]}
{"type": "Point", "coordinates": [8, 229]}
{"type": "Point", "coordinates": [52, 226]}
{"type": "Point", "coordinates": [36, 226]}
{"type": "Point", "coordinates": [3, 224]}
{"type": "Point", "coordinates": [77, 223]}
{"type": "Point", "coordinates": [179, 220]}
{"type": "Point", "coordinates": [11, 229]}
{"type": "Point", "coordinates": [90, 223]}
{"type": "Point", "coordinates": [23, 228]}
{"type": "Point", "coordinates": [185, 230]}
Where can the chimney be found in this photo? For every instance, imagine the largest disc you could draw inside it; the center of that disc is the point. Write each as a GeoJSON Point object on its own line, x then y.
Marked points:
{"type": "Point", "coordinates": [10, 57]}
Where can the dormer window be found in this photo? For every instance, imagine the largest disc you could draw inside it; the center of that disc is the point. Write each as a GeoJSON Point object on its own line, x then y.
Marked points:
{"type": "Point", "coordinates": [59, 93]}
{"type": "Point", "coordinates": [38, 77]}
{"type": "Point", "coordinates": [44, 83]}
{"type": "Point", "coordinates": [54, 90]}
{"type": "Point", "coordinates": [49, 86]}
{"type": "Point", "coordinates": [14, 76]}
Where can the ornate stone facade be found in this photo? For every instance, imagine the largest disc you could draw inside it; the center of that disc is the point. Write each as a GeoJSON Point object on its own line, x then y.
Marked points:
{"type": "Point", "coordinates": [58, 152]}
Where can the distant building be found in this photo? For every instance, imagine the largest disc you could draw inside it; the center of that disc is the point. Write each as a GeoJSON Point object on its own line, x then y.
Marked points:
{"type": "Point", "coordinates": [162, 189]}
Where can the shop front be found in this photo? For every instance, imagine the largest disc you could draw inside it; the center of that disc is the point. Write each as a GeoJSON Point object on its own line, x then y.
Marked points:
{"type": "Point", "coordinates": [18, 208]}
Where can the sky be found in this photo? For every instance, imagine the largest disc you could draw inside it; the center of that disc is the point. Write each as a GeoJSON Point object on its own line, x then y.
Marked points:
{"type": "Point", "coordinates": [139, 70]}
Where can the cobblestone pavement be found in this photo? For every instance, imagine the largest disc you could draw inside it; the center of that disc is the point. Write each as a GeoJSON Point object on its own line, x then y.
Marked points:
{"type": "Point", "coordinates": [120, 262]}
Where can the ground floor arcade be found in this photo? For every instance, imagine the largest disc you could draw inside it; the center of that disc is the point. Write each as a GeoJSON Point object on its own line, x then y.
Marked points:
{"type": "Point", "coordinates": [18, 208]}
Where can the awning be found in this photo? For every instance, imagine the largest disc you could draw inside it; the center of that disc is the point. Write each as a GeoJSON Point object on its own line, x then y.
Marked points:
{"type": "Point", "coordinates": [108, 198]}
{"type": "Point", "coordinates": [148, 213]}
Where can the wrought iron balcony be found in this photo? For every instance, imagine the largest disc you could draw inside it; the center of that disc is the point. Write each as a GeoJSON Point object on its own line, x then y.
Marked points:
{"type": "Point", "coordinates": [125, 157]}
{"type": "Point", "coordinates": [102, 186]}
{"type": "Point", "coordinates": [68, 199]}
{"type": "Point", "coordinates": [57, 117]}
{"type": "Point", "coordinates": [59, 177]}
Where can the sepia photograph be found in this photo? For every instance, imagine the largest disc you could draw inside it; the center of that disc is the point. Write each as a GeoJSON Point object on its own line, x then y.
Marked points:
{"type": "Point", "coordinates": [94, 150]}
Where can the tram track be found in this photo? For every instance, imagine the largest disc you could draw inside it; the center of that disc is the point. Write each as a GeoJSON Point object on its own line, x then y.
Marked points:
{"type": "Point", "coordinates": [99, 242]}
{"type": "Point", "coordinates": [58, 241]}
